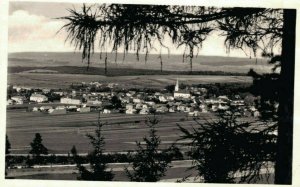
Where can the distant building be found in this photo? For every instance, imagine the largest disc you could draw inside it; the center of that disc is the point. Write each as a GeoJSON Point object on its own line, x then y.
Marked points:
{"type": "Point", "coordinates": [84, 109]}
{"type": "Point", "coordinates": [45, 108]}
{"type": "Point", "coordinates": [66, 100]}
{"type": "Point", "coordinates": [162, 109]}
{"type": "Point", "coordinates": [181, 93]}
{"type": "Point", "coordinates": [38, 98]}
{"type": "Point", "coordinates": [18, 99]}
{"type": "Point", "coordinates": [9, 102]}
{"type": "Point", "coordinates": [144, 111]}
{"type": "Point", "coordinates": [57, 111]}
{"type": "Point", "coordinates": [162, 99]}
{"type": "Point", "coordinates": [136, 100]}
{"type": "Point", "coordinates": [106, 111]}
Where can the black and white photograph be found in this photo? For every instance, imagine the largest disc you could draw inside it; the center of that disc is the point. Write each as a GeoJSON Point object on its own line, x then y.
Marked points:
{"type": "Point", "coordinates": [150, 92]}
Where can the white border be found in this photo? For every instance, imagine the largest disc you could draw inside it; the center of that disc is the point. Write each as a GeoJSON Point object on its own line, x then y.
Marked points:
{"type": "Point", "coordinates": [218, 3]}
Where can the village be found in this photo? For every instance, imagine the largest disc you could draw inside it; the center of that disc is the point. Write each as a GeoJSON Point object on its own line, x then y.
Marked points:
{"type": "Point", "coordinates": [110, 98]}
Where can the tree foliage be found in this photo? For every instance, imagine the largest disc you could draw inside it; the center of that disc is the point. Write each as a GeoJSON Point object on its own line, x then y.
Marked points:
{"type": "Point", "coordinates": [150, 162]}
{"type": "Point", "coordinates": [37, 147]}
{"type": "Point", "coordinates": [222, 148]}
{"type": "Point", "coordinates": [7, 145]}
{"type": "Point", "coordinates": [142, 28]}
{"type": "Point", "coordinates": [98, 165]}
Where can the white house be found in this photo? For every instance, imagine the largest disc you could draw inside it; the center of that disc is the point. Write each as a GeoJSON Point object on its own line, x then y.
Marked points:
{"type": "Point", "coordinates": [136, 100]}
{"type": "Point", "coordinates": [38, 98]}
{"type": "Point", "coordinates": [84, 109]}
{"type": "Point", "coordinates": [130, 111]}
{"type": "Point", "coordinates": [18, 99]}
{"type": "Point", "coordinates": [57, 111]}
{"type": "Point", "coordinates": [9, 102]}
{"type": "Point", "coordinates": [45, 108]}
{"type": "Point", "coordinates": [106, 111]}
{"type": "Point", "coordinates": [144, 111]}
{"type": "Point", "coordinates": [66, 100]}
{"type": "Point", "coordinates": [129, 107]}
{"type": "Point", "coordinates": [35, 109]}
{"type": "Point", "coordinates": [162, 109]}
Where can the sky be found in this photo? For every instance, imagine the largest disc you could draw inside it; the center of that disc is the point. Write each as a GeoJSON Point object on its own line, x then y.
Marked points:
{"type": "Point", "coordinates": [33, 27]}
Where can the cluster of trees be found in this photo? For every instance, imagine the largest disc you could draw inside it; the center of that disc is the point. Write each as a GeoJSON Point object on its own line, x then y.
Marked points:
{"type": "Point", "coordinates": [37, 150]}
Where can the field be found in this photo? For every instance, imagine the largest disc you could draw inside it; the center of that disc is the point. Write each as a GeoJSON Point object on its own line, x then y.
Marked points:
{"type": "Point", "coordinates": [61, 132]}
{"type": "Point", "coordinates": [41, 80]}
{"type": "Point", "coordinates": [170, 62]}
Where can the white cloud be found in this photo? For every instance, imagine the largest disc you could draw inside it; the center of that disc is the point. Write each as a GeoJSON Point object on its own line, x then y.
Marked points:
{"type": "Point", "coordinates": [28, 32]}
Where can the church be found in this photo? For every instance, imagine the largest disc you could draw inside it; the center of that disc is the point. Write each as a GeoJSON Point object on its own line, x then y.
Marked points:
{"type": "Point", "coordinates": [181, 93]}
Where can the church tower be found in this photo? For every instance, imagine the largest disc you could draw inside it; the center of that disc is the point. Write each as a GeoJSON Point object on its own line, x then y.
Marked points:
{"type": "Point", "coordinates": [177, 86]}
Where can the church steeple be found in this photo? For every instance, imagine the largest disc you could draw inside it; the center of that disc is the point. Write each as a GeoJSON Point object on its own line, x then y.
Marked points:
{"type": "Point", "coordinates": [177, 86]}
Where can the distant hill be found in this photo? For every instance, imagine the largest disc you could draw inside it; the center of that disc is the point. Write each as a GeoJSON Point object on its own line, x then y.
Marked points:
{"type": "Point", "coordinates": [170, 62]}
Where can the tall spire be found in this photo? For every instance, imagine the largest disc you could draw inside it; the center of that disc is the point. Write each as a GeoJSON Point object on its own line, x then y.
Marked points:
{"type": "Point", "coordinates": [177, 86]}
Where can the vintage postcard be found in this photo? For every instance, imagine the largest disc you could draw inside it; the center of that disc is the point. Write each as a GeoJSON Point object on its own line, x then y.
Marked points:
{"type": "Point", "coordinates": [149, 93]}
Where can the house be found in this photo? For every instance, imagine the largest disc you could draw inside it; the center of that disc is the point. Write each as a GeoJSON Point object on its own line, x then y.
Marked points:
{"type": "Point", "coordinates": [9, 102]}
{"type": "Point", "coordinates": [162, 99]}
{"type": "Point", "coordinates": [46, 90]}
{"type": "Point", "coordinates": [45, 108]}
{"type": "Point", "coordinates": [256, 113]}
{"type": "Point", "coordinates": [129, 107]}
{"type": "Point", "coordinates": [84, 109]}
{"type": "Point", "coordinates": [139, 106]}
{"type": "Point", "coordinates": [223, 107]}
{"type": "Point", "coordinates": [39, 98]}
{"type": "Point", "coordinates": [60, 107]}
{"type": "Point", "coordinates": [67, 100]}
{"type": "Point", "coordinates": [214, 107]}
{"type": "Point", "coordinates": [203, 110]}
{"type": "Point", "coordinates": [189, 109]}
{"type": "Point", "coordinates": [170, 98]}
{"type": "Point", "coordinates": [130, 111]}
{"type": "Point", "coordinates": [181, 108]}
{"type": "Point", "coordinates": [94, 101]}
{"type": "Point", "coordinates": [172, 109]}
{"type": "Point", "coordinates": [237, 103]}
{"type": "Point", "coordinates": [57, 111]}
{"type": "Point", "coordinates": [17, 88]}
{"type": "Point", "coordinates": [18, 99]}
{"type": "Point", "coordinates": [35, 109]}
{"type": "Point", "coordinates": [144, 111]}
{"type": "Point", "coordinates": [137, 100]}
{"type": "Point", "coordinates": [106, 111]}
{"type": "Point", "coordinates": [211, 101]}
{"type": "Point", "coordinates": [60, 93]}
{"type": "Point", "coordinates": [193, 113]}
{"type": "Point", "coordinates": [150, 103]}
{"type": "Point", "coordinates": [162, 109]}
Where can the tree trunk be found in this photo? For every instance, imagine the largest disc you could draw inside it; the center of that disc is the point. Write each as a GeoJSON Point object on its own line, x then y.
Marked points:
{"type": "Point", "coordinates": [283, 164]}
{"type": "Point", "coordinates": [105, 64]}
